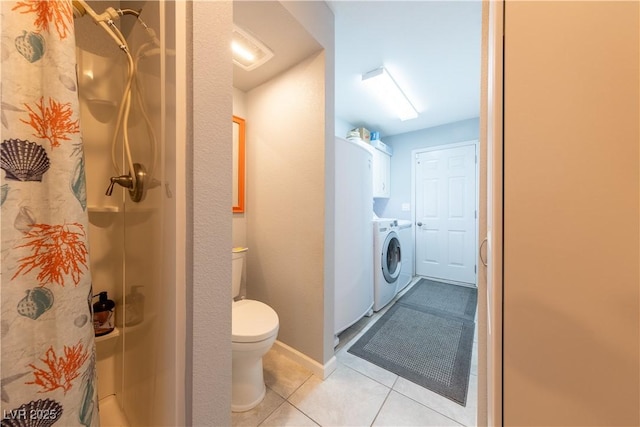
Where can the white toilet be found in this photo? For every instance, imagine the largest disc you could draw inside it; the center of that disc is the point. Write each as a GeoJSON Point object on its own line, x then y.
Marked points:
{"type": "Point", "coordinates": [254, 328]}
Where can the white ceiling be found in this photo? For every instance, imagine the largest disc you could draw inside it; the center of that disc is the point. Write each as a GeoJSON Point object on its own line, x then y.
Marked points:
{"type": "Point", "coordinates": [432, 49]}
{"type": "Point", "coordinates": [274, 26]}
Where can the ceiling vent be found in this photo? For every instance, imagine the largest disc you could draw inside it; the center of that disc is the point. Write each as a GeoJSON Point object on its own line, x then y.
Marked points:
{"type": "Point", "coordinates": [248, 52]}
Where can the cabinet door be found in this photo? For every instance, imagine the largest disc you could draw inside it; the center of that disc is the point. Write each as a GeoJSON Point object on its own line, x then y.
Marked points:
{"type": "Point", "coordinates": [386, 175]}
{"type": "Point", "coordinates": [381, 173]}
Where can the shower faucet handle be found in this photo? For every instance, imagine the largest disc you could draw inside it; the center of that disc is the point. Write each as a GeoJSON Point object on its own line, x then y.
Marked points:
{"type": "Point", "coordinates": [135, 182]}
{"type": "Point", "coordinates": [125, 181]}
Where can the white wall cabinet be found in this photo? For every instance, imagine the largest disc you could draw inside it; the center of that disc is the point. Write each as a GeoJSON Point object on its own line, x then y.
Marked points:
{"type": "Point", "coordinates": [381, 174]}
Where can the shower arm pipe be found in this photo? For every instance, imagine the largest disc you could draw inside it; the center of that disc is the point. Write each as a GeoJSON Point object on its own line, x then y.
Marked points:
{"type": "Point", "coordinates": [152, 46]}
{"type": "Point", "coordinates": [106, 28]}
{"type": "Point", "coordinates": [133, 12]}
{"type": "Point", "coordinates": [80, 8]}
{"type": "Point", "coordinates": [141, 53]}
{"type": "Point", "coordinates": [125, 103]}
{"type": "Point", "coordinates": [123, 113]}
{"type": "Point", "coordinates": [152, 136]}
{"type": "Point", "coordinates": [106, 21]}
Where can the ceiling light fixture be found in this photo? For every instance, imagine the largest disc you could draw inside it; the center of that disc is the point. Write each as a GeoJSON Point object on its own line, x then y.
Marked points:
{"type": "Point", "coordinates": [238, 49]}
{"type": "Point", "coordinates": [248, 52]}
{"type": "Point", "coordinates": [390, 93]}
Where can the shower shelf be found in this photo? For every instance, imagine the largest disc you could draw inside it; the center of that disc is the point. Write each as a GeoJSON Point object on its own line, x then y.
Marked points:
{"type": "Point", "coordinates": [113, 334]}
{"type": "Point", "coordinates": [103, 209]}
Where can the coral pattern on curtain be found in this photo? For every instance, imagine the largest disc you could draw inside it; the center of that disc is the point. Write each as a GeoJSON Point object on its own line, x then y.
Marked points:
{"type": "Point", "coordinates": [48, 353]}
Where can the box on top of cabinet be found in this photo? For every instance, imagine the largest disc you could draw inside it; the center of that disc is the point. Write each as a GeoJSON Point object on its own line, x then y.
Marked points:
{"type": "Point", "coordinates": [382, 146]}
{"type": "Point", "coordinates": [365, 135]}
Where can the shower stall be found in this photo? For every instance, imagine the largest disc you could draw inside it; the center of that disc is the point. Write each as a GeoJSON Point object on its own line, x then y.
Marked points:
{"type": "Point", "coordinates": [133, 237]}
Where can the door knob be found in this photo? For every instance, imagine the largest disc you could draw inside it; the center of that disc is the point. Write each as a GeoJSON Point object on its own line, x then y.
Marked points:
{"type": "Point", "coordinates": [419, 224]}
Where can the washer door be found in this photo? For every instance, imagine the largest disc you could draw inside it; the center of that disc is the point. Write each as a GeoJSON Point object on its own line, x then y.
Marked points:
{"type": "Point", "coordinates": [391, 258]}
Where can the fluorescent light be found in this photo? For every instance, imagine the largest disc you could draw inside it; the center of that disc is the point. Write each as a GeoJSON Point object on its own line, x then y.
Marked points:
{"type": "Point", "coordinates": [390, 93]}
{"type": "Point", "coordinates": [248, 52]}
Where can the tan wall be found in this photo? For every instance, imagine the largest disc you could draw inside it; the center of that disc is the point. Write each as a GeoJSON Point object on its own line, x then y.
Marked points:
{"type": "Point", "coordinates": [571, 263]}
{"type": "Point", "coordinates": [318, 20]}
{"type": "Point", "coordinates": [285, 201]}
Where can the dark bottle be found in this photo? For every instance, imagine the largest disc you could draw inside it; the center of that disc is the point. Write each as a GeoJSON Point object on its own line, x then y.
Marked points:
{"type": "Point", "coordinates": [103, 314]}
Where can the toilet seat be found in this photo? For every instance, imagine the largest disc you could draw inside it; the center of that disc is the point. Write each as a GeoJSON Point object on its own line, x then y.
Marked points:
{"type": "Point", "coordinates": [252, 321]}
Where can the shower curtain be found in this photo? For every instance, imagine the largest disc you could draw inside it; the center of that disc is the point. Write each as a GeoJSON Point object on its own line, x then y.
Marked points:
{"type": "Point", "coordinates": [47, 340]}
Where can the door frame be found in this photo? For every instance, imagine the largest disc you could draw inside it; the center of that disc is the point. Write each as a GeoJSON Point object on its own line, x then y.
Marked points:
{"type": "Point", "coordinates": [492, 113]}
{"type": "Point", "coordinates": [439, 147]}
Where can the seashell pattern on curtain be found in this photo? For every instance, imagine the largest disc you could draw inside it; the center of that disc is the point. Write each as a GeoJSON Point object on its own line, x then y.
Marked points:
{"type": "Point", "coordinates": [48, 358]}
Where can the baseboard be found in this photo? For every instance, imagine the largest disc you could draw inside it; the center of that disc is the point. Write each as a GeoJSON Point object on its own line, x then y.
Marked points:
{"type": "Point", "coordinates": [318, 369]}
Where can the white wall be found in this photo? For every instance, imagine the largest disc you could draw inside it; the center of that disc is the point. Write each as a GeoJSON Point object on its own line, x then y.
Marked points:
{"type": "Point", "coordinates": [342, 127]}
{"type": "Point", "coordinates": [403, 144]}
{"type": "Point", "coordinates": [571, 212]}
{"type": "Point", "coordinates": [208, 388]}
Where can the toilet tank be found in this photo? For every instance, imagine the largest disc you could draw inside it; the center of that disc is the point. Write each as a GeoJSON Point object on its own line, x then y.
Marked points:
{"type": "Point", "coordinates": [237, 261]}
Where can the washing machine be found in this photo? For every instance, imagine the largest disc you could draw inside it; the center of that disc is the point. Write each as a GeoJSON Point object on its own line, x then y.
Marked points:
{"type": "Point", "coordinates": [405, 232]}
{"type": "Point", "coordinates": [387, 261]}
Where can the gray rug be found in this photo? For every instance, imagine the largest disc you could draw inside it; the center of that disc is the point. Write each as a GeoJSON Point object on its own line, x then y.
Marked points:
{"type": "Point", "coordinates": [426, 337]}
{"type": "Point", "coordinates": [442, 298]}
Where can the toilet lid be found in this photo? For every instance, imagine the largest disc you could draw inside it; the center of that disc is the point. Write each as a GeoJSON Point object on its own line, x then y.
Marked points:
{"type": "Point", "coordinates": [252, 321]}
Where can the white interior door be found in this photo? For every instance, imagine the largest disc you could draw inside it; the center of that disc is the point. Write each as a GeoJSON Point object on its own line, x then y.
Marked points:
{"type": "Point", "coordinates": [445, 201]}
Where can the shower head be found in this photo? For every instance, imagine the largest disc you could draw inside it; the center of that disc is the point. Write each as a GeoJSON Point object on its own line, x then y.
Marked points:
{"type": "Point", "coordinates": [81, 8]}
{"type": "Point", "coordinates": [105, 19]}
{"type": "Point", "coordinates": [78, 9]}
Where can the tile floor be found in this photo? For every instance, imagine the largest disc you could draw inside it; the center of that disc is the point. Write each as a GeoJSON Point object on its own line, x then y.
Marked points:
{"type": "Point", "coordinates": [357, 393]}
